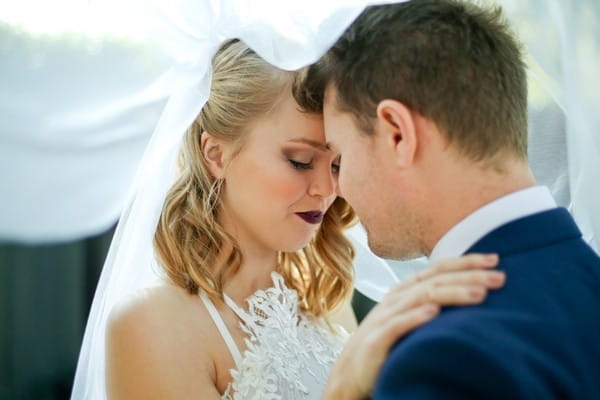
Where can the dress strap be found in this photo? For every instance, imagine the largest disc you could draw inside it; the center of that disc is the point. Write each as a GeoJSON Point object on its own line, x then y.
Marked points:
{"type": "Point", "coordinates": [235, 308]}
{"type": "Point", "coordinates": [216, 317]}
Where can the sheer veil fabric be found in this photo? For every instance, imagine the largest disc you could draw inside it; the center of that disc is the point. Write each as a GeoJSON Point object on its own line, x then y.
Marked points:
{"type": "Point", "coordinates": [135, 117]}
{"type": "Point", "coordinates": [287, 34]}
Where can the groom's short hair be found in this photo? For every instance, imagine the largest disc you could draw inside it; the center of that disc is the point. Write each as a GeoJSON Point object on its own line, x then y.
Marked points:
{"type": "Point", "coordinates": [449, 60]}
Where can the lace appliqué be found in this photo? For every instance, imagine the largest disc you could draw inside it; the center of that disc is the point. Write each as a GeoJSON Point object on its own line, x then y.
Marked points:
{"type": "Point", "coordinates": [288, 353]}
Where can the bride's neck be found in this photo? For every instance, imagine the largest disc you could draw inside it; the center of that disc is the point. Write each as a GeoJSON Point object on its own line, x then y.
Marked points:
{"type": "Point", "coordinates": [258, 261]}
{"type": "Point", "coordinates": [254, 272]}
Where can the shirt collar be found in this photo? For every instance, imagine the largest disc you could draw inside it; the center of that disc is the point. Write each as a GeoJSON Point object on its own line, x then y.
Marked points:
{"type": "Point", "coordinates": [489, 217]}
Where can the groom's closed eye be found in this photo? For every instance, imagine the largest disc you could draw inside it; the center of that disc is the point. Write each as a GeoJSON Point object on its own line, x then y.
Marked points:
{"type": "Point", "coordinates": [336, 165]}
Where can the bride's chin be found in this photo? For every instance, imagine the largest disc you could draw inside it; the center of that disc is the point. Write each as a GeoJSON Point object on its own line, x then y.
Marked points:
{"type": "Point", "coordinates": [295, 246]}
{"type": "Point", "coordinates": [292, 249]}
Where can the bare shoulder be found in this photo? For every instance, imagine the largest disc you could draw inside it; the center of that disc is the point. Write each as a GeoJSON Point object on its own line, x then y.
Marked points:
{"type": "Point", "coordinates": [152, 308]}
{"type": "Point", "coordinates": [158, 346]}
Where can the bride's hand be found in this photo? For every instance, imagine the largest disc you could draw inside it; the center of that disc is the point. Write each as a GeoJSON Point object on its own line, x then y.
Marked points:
{"type": "Point", "coordinates": [408, 305]}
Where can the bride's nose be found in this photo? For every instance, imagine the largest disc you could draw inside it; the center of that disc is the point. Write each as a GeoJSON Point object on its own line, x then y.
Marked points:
{"type": "Point", "coordinates": [323, 184]}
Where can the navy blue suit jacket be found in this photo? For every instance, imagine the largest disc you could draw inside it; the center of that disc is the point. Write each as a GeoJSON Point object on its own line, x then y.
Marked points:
{"type": "Point", "coordinates": [536, 338]}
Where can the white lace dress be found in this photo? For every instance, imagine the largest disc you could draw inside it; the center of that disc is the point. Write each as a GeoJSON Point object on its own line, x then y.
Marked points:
{"type": "Point", "coordinates": [288, 354]}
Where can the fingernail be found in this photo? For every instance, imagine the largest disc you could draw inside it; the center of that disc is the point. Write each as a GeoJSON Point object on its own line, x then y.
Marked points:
{"type": "Point", "coordinates": [496, 277]}
{"type": "Point", "coordinates": [491, 258]}
{"type": "Point", "coordinates": [477, 292]}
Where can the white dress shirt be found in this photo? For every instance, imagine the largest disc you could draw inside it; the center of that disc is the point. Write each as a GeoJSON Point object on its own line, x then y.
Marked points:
{"type": "Point", "coordinates": [489, 217]}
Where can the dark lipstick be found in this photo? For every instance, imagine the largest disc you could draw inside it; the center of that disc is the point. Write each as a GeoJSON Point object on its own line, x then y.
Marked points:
{"type": "Point", "coordinates": [312, 217]}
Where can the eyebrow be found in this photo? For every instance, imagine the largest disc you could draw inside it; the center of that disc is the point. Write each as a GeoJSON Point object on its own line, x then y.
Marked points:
{"type": "Point", "coordinates": [318, 145]}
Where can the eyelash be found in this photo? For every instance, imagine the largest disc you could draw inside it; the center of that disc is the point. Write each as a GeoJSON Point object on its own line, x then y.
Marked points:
{"type": "Point", "coordinates": [304, 166]}
{"type": "Point", "coordinates": [300, 165]}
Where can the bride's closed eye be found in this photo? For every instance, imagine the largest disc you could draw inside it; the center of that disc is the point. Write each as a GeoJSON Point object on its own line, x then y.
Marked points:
{"type": "Point", "coordinates": [300, 165]}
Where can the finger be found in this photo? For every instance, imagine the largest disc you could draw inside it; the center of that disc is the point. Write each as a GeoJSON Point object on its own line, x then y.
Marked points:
{"type": "Point", "coordinates": [467, 262]}
{"type": "Point", "coordinates": [489, 279]}
{"type": "Point", "coordinates": [394, 304]}
{"type": "Point", "coordinates": [425, 296]}
{"type": "Point", "coordinates": [402, 323]}
{"type": "Point", "coordinates": [400, 303]}
{"type": "Point", "coordinates": [413, 295]}
{"type": "Point", "coordinates": [457, 295]}
{"type": "Point", "coordinates": [448, 295]}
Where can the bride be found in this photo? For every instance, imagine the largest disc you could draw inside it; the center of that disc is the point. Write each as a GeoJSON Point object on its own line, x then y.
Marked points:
{"type": "Point", "coordinates": [255, 300]}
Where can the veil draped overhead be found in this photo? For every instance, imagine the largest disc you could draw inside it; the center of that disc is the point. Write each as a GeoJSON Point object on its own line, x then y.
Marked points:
{"type": "Point", "coordinates": [287, 34]}
{"type": "Point", "coordinates": [562, 39]}
{"type": "Point", "coordinates": [92, 121]}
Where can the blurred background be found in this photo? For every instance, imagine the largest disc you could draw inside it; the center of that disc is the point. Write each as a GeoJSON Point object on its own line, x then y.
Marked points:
{"type": "Point", "coordinates": [81, 90]}
{"type": "Point", "coordinates": [75, 117]}
{"type": "Point", "coordinates": [45, 294]}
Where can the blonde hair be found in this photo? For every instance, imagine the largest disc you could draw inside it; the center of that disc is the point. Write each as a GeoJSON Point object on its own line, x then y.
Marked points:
{"type": "Point", "coordinates": [189, 240]}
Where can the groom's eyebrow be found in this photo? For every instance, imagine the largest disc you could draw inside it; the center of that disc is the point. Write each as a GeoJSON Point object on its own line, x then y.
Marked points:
{"type": "Point", "coordinates": [318, 145]}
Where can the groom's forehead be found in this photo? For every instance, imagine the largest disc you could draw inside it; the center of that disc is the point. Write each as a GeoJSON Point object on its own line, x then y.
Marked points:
{"type": "Point", "coordinates": [331, 109]}
{"type": "Point", "coordinates": [330, 96]}
{"type": "Point", "coordinates": [340, 125]}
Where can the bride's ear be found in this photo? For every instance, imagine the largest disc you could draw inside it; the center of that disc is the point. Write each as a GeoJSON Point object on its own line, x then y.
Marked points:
{"type": "Point", "coordinates": [213, 151]}
{"type": "Point", "coordinates": [396, 123]}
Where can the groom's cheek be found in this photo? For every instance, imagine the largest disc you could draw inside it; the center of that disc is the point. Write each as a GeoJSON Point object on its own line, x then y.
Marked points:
{"type": "Point", "coordinates": [342, 184]}
{"type": "Point", "coordinates": [338, 191]}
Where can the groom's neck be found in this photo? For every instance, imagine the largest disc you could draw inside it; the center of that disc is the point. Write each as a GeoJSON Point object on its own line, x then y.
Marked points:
{"type": "Point", "coordinates": [462, 189]}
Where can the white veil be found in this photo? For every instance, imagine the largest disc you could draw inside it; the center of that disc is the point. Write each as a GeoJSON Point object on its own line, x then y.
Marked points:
{"type": "Point", "coordinates": [60, 184]}
{"type": "Point", "coordinates": [563, 42]}
{"type": "Point", "coordinates": [287, 34]}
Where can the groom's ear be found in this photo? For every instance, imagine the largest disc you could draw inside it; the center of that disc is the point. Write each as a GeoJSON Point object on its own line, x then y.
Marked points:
{"type": "Point", "coordinates": [214, 154]}
{"type": "Point", "coordinates": [398, 129]}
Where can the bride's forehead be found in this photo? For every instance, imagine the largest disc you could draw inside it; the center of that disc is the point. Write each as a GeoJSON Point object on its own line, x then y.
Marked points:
{"type": "Point", "coordinates": [289, 124]}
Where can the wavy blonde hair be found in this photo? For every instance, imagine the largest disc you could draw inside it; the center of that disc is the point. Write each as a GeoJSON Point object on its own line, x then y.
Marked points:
{"type": "Point", "coordinates": [189, 240]}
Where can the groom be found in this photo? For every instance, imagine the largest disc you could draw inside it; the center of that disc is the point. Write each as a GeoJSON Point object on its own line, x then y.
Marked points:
{"type": "Point", "coordinates": [426, 101]}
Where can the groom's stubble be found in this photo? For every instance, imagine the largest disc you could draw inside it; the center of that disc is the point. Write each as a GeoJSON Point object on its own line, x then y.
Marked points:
{"type": "Point", "coordinates": [388, 207]}
{"type": "Point", "coordinates": [401, 238]}
{"type": "Point", "coordinates": [396, 225]}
